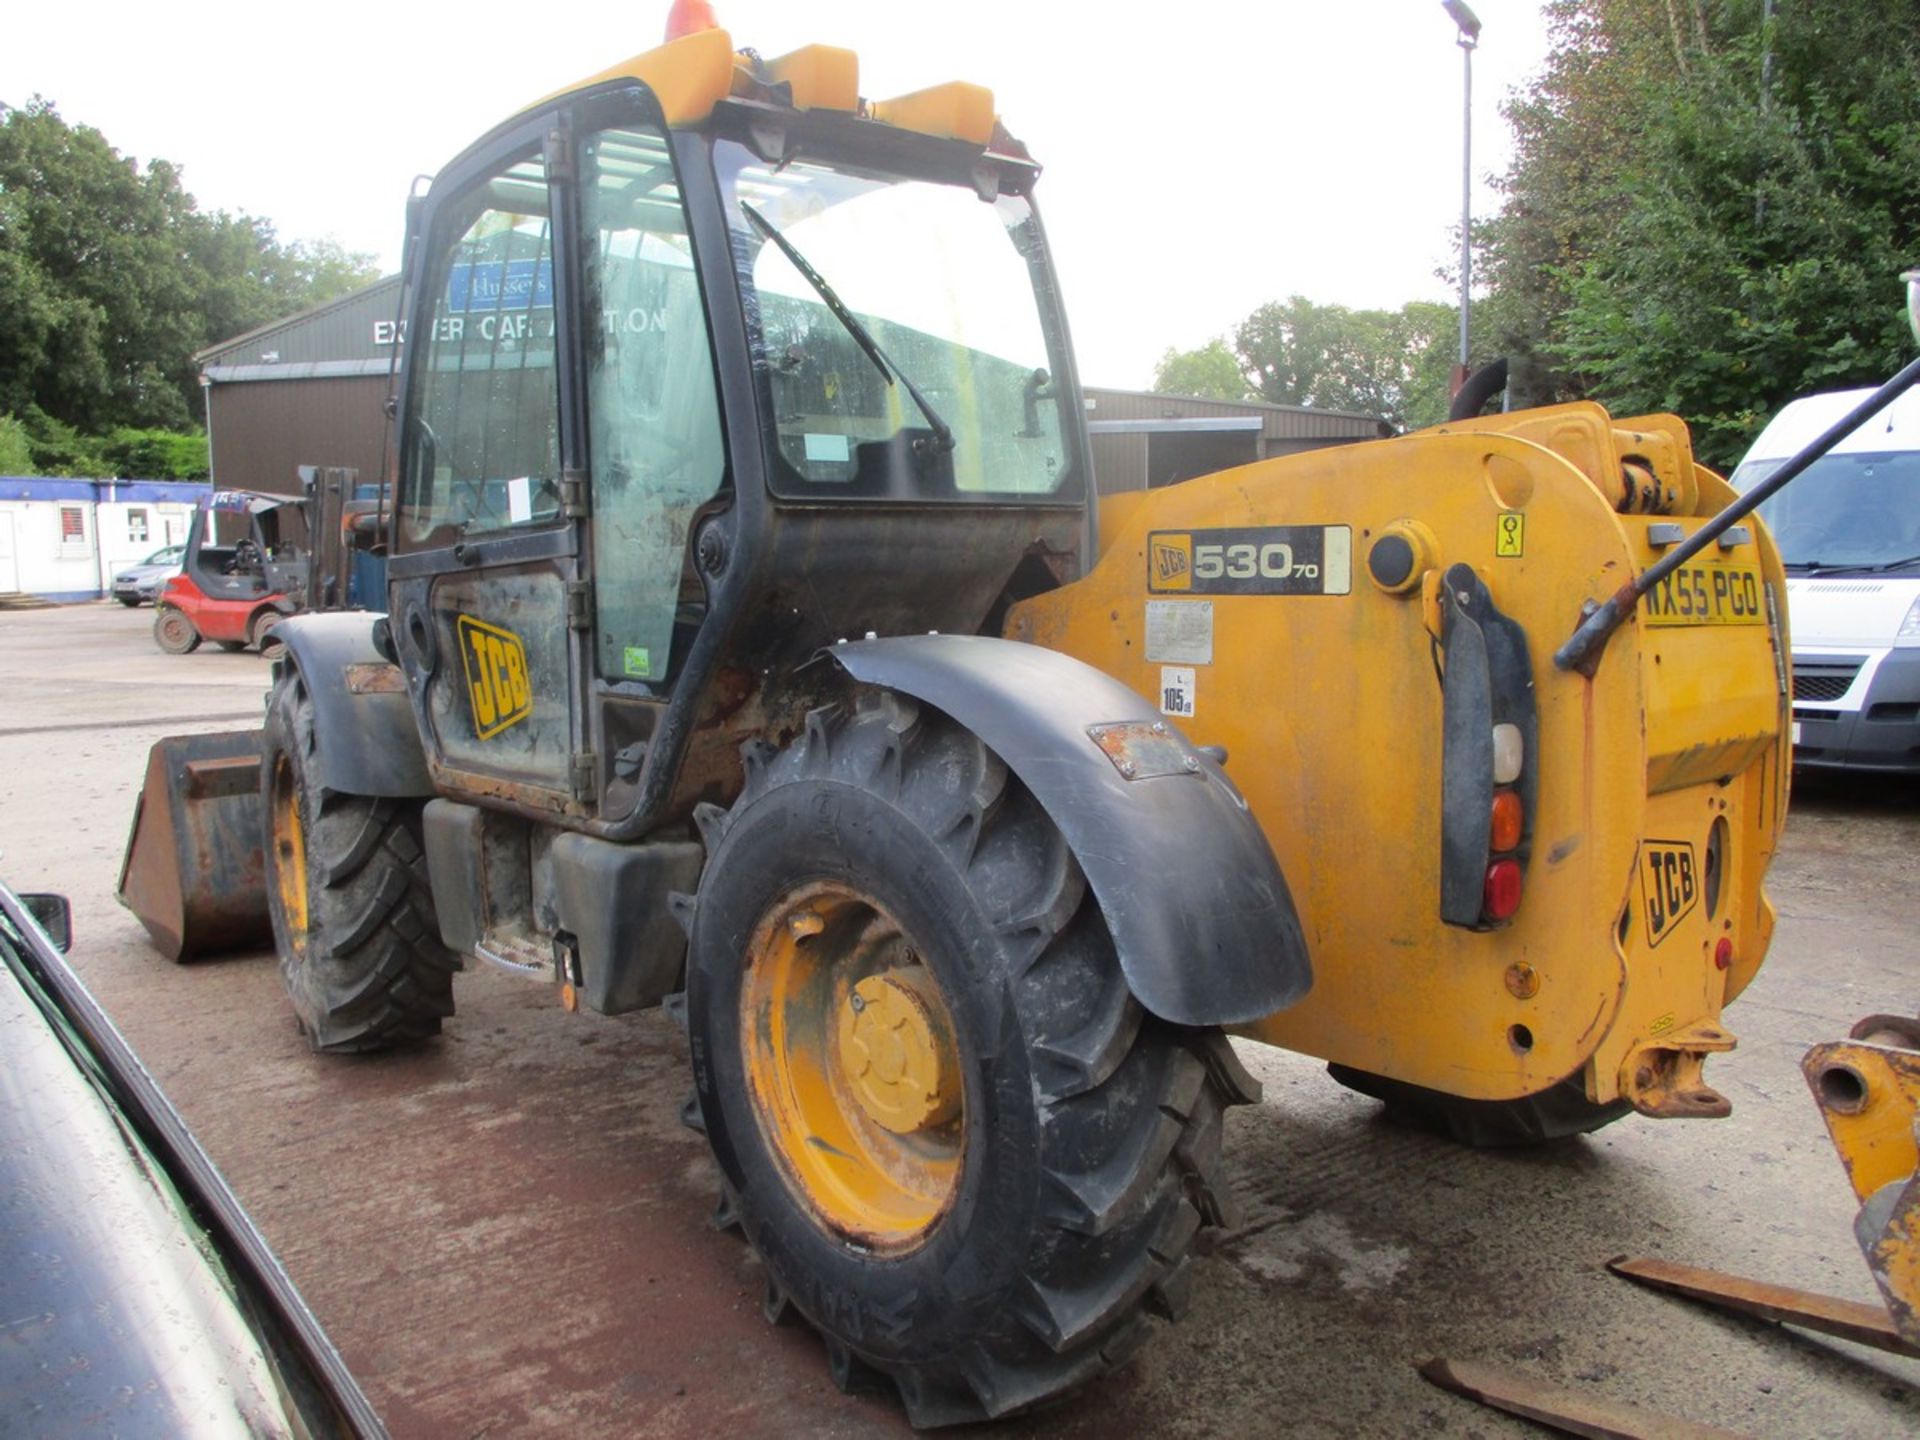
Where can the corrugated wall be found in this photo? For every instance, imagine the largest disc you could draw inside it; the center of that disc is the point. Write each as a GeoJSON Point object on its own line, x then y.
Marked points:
{"type": "Point", "coordinates": [264, 429]}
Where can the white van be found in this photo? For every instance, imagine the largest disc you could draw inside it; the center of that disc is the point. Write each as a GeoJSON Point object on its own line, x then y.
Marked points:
{"type": "Point", "coordinates": [1849, 532]}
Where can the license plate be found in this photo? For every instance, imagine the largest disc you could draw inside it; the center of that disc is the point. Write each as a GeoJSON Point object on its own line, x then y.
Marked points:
{"type": "Point", "coordinates": [1707, 595]}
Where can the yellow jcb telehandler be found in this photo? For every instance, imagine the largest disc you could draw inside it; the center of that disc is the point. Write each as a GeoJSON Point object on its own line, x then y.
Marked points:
{"type": "Point", "coordinates": [755, 645]}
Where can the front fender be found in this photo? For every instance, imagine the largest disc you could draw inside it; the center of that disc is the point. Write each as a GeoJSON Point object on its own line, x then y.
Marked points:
{"type": "Point", "coordinates": [1196, 903]}
{"type": "Point", "coordinates": [363, 728]}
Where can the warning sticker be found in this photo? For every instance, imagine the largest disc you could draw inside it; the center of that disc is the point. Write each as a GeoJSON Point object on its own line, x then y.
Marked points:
{"type": "Point", "coordinates": [1180, 632]}
{"type": "Point", "coordinates": [1510, 534]}
{"type": "Point", "coordinates": [1176, 691]}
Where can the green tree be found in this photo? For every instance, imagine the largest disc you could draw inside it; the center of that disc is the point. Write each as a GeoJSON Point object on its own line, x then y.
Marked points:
{"type": "Point", "coordinates": [16, 454]}
{"type": "Point", "coordinates": [1390, 363]}
{"type": "Point", "coordinates": [1735, 235]}
{"type": "Point", "coordinates": [112, 279]}
{"type": "Point", "coordinates": [1212, 373]}
{"type": "Point", "coordinates": [156, 454]}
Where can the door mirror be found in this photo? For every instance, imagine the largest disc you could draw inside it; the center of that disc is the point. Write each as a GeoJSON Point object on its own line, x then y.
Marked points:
{"type": "Point", "coordinates": [53, 914]}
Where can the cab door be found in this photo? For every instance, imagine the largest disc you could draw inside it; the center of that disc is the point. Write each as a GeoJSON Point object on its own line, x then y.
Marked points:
{"type": "Point", "coordinates": [656, 453]}
{"type": "Point", "coordinates": [486, 585]}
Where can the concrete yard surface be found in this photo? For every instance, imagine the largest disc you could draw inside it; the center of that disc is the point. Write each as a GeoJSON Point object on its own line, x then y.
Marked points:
{"type": "Point", "coordinates": [506, 1231]}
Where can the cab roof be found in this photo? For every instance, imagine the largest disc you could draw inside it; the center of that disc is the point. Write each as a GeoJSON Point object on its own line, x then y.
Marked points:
{"type": "Point", "coordinates": [693, 74]}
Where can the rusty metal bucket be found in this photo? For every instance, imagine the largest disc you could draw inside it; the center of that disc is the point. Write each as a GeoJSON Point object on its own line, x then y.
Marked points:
{"type": "Point", "coordinates": [195, 871]}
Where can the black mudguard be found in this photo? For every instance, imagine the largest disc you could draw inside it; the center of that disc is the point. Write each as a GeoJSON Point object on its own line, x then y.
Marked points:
{"type": "Point", "coordinates": [1199, 910]}
{"type": "Point", "coordinates": [363, 726]}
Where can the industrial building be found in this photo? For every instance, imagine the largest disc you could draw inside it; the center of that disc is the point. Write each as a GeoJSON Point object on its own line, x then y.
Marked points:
{"type": "Point", "coordinates": [312, 390]}
{"type": "Point", "coordinates": [307, 390]}
{"type": "Point", "coordinates": [1142, 441]}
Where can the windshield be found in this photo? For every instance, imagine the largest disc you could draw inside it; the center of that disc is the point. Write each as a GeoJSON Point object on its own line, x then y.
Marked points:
{"type": "Point", "coordinates": [898, 328]}
{"type": "Point", "coordinates": [1846, 512]}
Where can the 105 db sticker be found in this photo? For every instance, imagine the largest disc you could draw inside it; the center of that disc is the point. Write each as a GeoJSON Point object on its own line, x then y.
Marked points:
{"type": "Point", "coordinates": [1251, 560]}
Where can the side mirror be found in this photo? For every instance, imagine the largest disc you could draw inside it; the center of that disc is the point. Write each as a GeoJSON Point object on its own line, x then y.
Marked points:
{"type": "Point", "coordinates": [362, 531]}
{"type": "Point", "coordinates": [53, 914]}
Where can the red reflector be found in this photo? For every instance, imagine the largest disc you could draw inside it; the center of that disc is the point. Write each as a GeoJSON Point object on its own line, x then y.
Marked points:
{"type": "Point", "coordinates": [1506, 820]}
{"type": "Point", "coordinates": [688, 17]}
{"type": "Point", "coordinates": [1502, 894]}
{"type": "Point", "coordinates": [1723, 954]}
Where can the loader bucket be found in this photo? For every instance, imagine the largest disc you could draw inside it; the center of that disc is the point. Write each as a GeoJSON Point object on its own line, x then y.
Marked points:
{"type": "Point", "coordinates": [194, 872]}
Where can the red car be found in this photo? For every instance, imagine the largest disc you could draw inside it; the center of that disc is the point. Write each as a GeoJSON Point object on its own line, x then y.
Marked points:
{"type": "Point", "coordinates": [245, 571]}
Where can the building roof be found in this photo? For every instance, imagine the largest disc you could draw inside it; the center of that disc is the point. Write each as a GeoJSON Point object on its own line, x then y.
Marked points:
{"type": "Point", "coordinates": [1277, 421]}
{"type": "Point", "coordinates": [346, 329]}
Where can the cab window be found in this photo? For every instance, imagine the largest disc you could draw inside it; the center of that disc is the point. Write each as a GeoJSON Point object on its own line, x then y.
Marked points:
{"type": "Point", "coordinates": [484, 426]}
{"type": "Point", "coordinates": [654, 436]}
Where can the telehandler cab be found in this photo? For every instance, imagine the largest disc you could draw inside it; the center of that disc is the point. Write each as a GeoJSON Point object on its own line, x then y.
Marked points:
{"type": "Point", "coordinates": [752, 648]}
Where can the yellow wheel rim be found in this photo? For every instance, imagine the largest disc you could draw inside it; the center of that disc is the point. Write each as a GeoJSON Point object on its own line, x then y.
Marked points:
{"type": "Point", "coordinates": [290, 851]}
{"type": "Point", "coordinates": [852, 1066]}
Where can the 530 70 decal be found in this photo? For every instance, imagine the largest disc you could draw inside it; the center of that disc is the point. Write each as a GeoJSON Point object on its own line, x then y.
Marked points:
{"type": "Point", "coordinates": [1251, 560]}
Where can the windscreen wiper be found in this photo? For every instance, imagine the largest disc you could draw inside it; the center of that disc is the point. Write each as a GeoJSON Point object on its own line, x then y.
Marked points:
{"type": "Point", "coordinates": [1894, 564]}
{"type": "Point", "coordinates": [942, 435]}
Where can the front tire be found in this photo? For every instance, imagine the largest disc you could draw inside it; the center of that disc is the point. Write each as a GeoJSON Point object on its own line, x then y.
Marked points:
{"type": "Point", "coordinates": [347, 887]}
{"type": "Point", "coordinates": [964, 1152]}
{"type": "Point", "coordinates": [174, 633]}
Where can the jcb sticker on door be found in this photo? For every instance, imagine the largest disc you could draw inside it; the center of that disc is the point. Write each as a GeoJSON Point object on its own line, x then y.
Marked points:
{"type": "Point", "coordinates": [496, 670]}
{"type": "Point", "coordinates": [1669, 885]}
{"type": "Point", "coordinates": [1252, 560]}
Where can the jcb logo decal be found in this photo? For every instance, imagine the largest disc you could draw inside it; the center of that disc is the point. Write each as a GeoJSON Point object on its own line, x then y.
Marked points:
{"type": "Point", "coordinates": [496, 666]}
{"type": "Point", "coordinates": [1669, 885]}
{"type": "Point", "coordinates": [1170, 562]}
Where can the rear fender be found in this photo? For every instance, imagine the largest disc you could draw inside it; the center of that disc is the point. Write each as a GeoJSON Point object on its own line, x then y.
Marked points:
{"type": "Point", "coordinates": [365, 740]}
{"type": "Point", "coordinates": [1196, 903]}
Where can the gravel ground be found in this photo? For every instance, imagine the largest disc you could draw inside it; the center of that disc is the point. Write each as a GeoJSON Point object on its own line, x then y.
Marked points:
{"type": "Point", "coordinates": [506, 1234]}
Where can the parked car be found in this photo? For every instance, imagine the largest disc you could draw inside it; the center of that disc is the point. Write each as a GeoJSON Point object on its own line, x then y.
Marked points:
{"type": "Point", "coordinates": [136, 1296]}
{"type": "Point", "coordinates": [1849, 534]}
{"type": "Point", "coordinates": [138, 584]}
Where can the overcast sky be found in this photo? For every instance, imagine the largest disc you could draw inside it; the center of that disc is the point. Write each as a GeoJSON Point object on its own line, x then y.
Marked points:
{"type": "Point", "coordinates": [1200, 158]}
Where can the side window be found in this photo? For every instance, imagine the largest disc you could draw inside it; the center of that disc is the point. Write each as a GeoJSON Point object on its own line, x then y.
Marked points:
{"type": "Point", "coordinates": [657, 451]}
{"type": "Point", "coordinates": [485, 422]}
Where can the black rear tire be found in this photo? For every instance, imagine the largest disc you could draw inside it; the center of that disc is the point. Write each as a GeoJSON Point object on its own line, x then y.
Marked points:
{"type": "Point", "coordinates": [261, 637]}
{"type": "Point", "coordinates": [174, 633]}
{"type": "Point", "coordinates": [347, 887]}
{"type": "Point", "coordinates": [1557, 1113]}
{"type": "Point", "coordinates": [1091, 1154]}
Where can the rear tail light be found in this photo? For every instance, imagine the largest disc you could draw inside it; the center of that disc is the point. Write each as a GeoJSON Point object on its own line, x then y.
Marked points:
{"type": "Point", "coordinates": [1489, 729]}
{"type": "Point", "coordinates": [1501, 897]}
{"type": "Point", "coordinates": [1508, 821]}
{"type": "Point", "coordinates": [1509, 752]}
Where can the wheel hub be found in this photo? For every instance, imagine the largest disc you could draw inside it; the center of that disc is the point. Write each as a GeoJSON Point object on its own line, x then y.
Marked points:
{"type": "Point", "coordinates": [898, 1062]}
{"type": "Point", "coordinates": [289, 838]}
{"type": "Point", "coordinates": [853, 1066]}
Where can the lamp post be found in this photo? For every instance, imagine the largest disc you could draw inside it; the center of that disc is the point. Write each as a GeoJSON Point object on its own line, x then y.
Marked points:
{"type": "Point", "coordinates": [1469, 25]}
